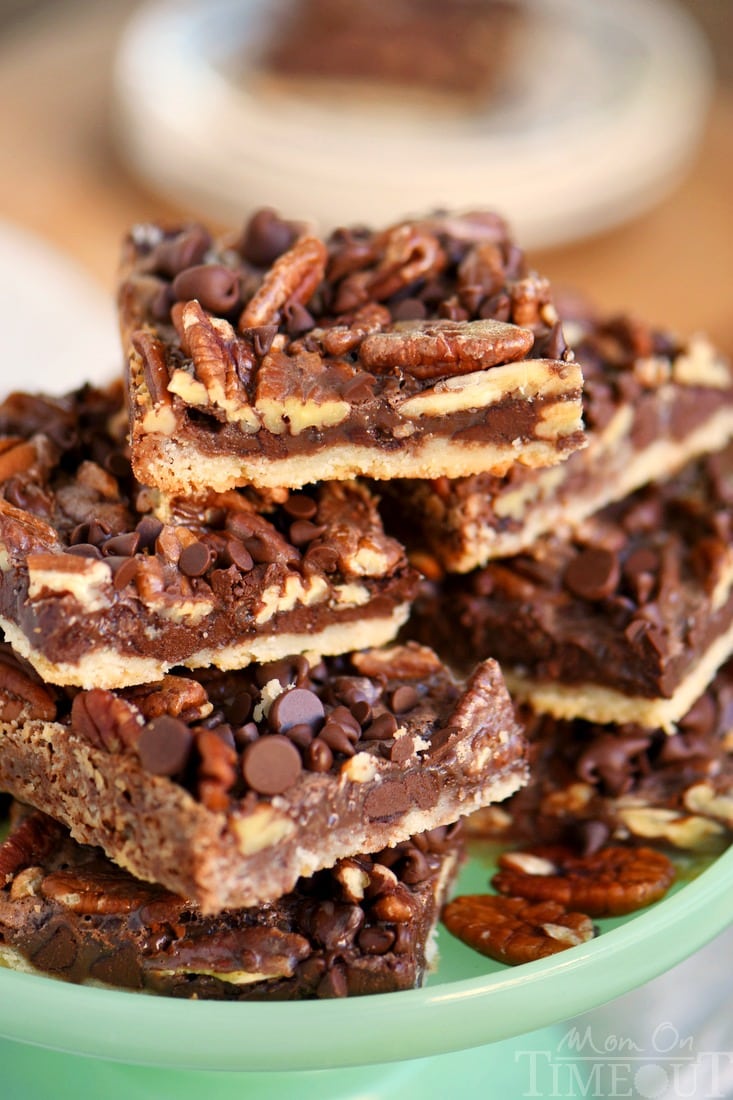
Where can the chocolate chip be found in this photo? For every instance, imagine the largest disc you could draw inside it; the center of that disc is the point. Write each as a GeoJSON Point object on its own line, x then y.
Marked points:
{"type": "Point", "coordinates": [271, 765]}
{"type": "Point", "coordinates": [323, 558]}
{"type": "Point", "coordinates": [403, 749]}
{"type": "Point", "coordinates": [98, 532]}
{"type": "Point", "coordinates": [361, 709]}
{"type": "Point", "coordinates": [339, 736]}
{"type": "Point", "coordinates": [59, 952]}
{"type": "Point", "coordinates": [376, 940]}
{"type": "Point", "coordinates": [592, 574]}
{"type": "Point", "coordinates": [336, 924]}
{"type": "Point", "coordinates": [164, 745]}
{"type": "Point", "coordinates": [265, 237]}
{"type": "Point", "coordinates": [245, 734]}
{"type": "Point", "coordinates": [302, 531]}
{"type": "Point", "coordinates": [214, 286]}
{"type": "Point", "coordinates": [381, 729]}
{"type": "Point", "coordinates": [318, 756]}
{"type": "Point", "coordinates": [386, 800]}
{"type": "Point", "coordinates": [497, 308]}
{"type": "Point", "coordinates": [240, 708]}
{"type": "Point", "coordinates": [123, 545]}
{"type": "Point", "coordinates": [124, 571]}
{"type": "Point", "coordinates": [117, 464]}
{"type": "Point", "coordinates": [701, 717]}
{"type": "Point", "coordinates": [195, 559]}
{"type": "Point", "coordinates": [261, 337]}
{"type": "Point", "coordinates": [296, 707]}
{"type": "Point", "coordinates": [84, 550]}
{"type": "Point", "coordinates": [301, 735]}
{"type": "Point", "coordinates": [297, 319]}
{"type": "Point", "coordinates": [177, 253]}
{"type": "Point", "coordinates": [333, 983]}
{"type": "Point", "coordinates": [403, 698]}
{"type": "Point", "coordinates": [282, 671]}
{"type": "Point", "coordinates": [300, 506]}
{"type": "Point", "coordinates": [148, 529]}
{"type": "Point", "coordinates": [423, 789]}
{"type": "Point", "coordinates": [237, 554]}
{"type": "Point", "coordinates": [413, 867]}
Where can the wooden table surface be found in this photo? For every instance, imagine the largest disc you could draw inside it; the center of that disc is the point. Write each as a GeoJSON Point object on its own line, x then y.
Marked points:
{"type": "Point", "coordinates": [61, 178]}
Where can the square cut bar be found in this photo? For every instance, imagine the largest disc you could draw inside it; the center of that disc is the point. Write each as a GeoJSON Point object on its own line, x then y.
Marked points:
{"type": "Point", "coordinates": [591, 784]}
{"type": "Point", "coordinates": [459, 55]}
{"type": "Point", "coordinates": [229, 787]}
{"type": "Point", "coordinates": [627, 621]}
{"type": "Point", "coordinates": [651, 404]}
{"type": "Point", "coordinates": [424, 350]}
{"type": "Point", "coordinates": [365, 926]}
{"type": "Point", "coordinates": [104, 583]}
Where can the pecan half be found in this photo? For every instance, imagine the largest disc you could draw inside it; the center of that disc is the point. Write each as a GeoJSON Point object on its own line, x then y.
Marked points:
{"type": "Point", "coordinates": [607, 883]}
{"type": "Point", "coordinates": [291, 280]}
{"type": "Point", "coordinates": [429, 349]}
{"type": "Point", "coordinates": [96, 891]}
{"type": "Point", "coordinates": [222, 362]}
{"type": "Point", "coordinates": [515, 930]}
{"type": "Point", "coordinates": [105, 720]}
{"type": "Point", "coordinates": [16, 456]}
{"type": "Point", "coordinates": [21, 696]}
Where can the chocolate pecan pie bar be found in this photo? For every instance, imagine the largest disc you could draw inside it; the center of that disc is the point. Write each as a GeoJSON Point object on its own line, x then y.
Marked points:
{"type": "Point", "coordinates": [104, 583]}
{"type": "Point", "coordinates": [364, 926]}
{"type": "Point", "coordinates": [424, 350]}
{"type": "Point", "coordinates": [228, 787]}
{"type": "Point", "coordinates": [626, 621]}
{"type": "Point", "coordinates": [594, 784]}
{"type": "Point", "coordinates": [651, 404]}
{"type": "Point", "coordinates": [460, 51]}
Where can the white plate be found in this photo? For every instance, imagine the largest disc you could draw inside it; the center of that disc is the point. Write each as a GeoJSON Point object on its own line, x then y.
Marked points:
{"type": "Point", "coordinates": [58, 326]}
{"type": "Point", "coordinates": [607, 103]}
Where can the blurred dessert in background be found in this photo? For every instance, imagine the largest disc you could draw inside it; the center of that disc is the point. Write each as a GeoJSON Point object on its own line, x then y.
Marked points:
{"type": "Point", "coordinates": [460, 50]}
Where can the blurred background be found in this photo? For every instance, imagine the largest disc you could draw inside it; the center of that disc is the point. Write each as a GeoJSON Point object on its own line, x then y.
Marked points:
{"type": "Point", "coordinates": [604, 130]}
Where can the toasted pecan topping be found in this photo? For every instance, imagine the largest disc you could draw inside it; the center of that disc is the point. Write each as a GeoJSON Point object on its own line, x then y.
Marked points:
{"type": "Point", "coordinates": [609, 882]}
{"type": "Point", "coordinates": [515, 930]}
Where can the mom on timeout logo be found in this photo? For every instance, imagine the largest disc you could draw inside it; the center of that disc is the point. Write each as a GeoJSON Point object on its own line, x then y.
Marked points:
{"type": "Point", "coordinates": [666, 1067]}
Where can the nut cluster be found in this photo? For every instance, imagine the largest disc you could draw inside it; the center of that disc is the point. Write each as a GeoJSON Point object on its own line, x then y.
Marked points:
{"type": "Point", "coordinates": [402, 301]}
{"type": "Point", "coordinates": [224, 734]}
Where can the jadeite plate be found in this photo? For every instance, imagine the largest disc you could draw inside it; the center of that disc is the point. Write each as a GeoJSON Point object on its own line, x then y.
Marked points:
{"type": "Point", "coordinates": [469, 1001]}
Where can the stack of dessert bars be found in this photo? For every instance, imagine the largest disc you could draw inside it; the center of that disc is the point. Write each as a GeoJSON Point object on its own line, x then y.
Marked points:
{"type": "Point", "coordinates": [604, 586]}
{"type": "Point", "coordinates": [199, 683]}
{"type": "Point", "coordinates": [198, 595]}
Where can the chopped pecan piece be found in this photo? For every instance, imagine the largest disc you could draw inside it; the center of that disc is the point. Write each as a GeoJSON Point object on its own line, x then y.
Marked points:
{"type": "Point", "coordinates": [36, 835]}
{"type": "Point", "coordinates": [515, 930]}
{"type": "Point", "coordinates": [608, 883]}
{"type": "Point", "coordinates": [174, 695]}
